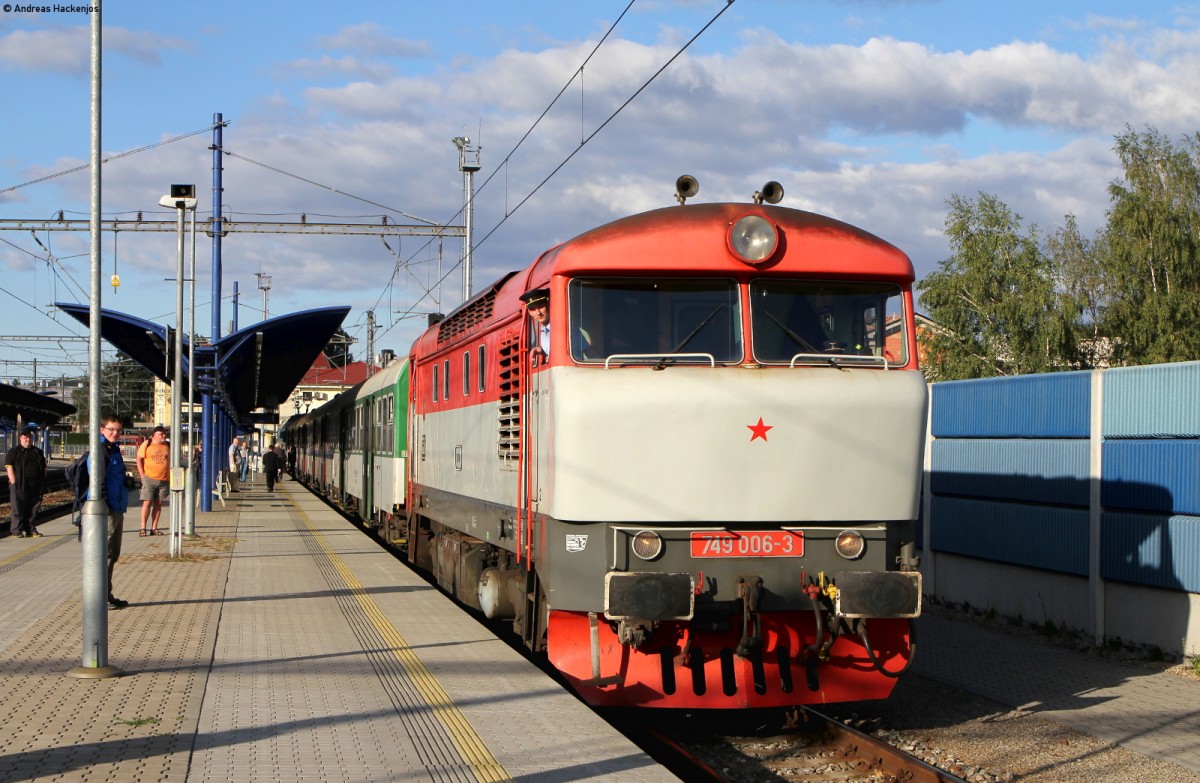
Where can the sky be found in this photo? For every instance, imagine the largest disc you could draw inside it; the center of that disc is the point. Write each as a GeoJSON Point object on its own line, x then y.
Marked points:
{"type": "Point", "coordinates": [874, 112]}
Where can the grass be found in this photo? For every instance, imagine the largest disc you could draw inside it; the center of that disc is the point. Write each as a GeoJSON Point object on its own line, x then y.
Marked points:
{"type": "Point", "coordinates": [136, 721]}
{"type": "Point", "coordinates": [215, 547]}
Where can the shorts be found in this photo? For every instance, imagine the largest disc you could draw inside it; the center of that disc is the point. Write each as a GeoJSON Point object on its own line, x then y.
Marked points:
{"type": "Point", "coordinates": [155, 488]}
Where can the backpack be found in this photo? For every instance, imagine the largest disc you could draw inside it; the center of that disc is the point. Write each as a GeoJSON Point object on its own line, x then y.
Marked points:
{"type": "Point", "coordinates": [77, 476]}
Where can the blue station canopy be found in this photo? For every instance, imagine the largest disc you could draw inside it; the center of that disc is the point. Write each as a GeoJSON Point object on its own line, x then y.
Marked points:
{"type": "Point", "coordinates": [259, 366]}
{"type": "Point", "coordinates": [255, 367]}
{"type": "Point", "coordinates": [31, 406]}
{"type": "Point", "coordinates": [143, 341]}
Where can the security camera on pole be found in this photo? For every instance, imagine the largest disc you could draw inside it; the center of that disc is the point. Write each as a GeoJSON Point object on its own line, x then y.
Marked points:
{"type": "Point", "coordinates": [182, 198]}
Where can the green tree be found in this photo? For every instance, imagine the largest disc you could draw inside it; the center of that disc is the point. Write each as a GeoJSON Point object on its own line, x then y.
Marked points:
{"type": "Point", "coordinates": [995, 299]}
{"type": "Point", "coordinates": [1153, 259]}
{"type": "Point", "coordinates": [1083, 287]}
{"type": "Point", "coordinates": [126, 390]}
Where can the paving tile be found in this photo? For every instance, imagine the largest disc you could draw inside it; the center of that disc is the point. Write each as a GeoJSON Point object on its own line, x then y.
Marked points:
{"type": "Point", "coordinates": [258, 662]}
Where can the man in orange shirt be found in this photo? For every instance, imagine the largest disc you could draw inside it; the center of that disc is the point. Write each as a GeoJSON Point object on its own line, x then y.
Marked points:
{"type": "Point", "coordinates": [154, 465]}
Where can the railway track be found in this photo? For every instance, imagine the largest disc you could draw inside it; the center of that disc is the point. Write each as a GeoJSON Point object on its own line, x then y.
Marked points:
{"type": "Point", "coordinates": [57, 501]}
{"type": "Point", "coordinates": [809, 748]}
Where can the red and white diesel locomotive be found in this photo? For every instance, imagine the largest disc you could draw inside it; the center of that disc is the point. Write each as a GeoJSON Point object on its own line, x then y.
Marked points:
{"type": "Point", "coordinates": [703, 495]}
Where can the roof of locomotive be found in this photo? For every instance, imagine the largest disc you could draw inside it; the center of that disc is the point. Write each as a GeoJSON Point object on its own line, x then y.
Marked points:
{"type": "Point", "coordinates": [692, 238]}
{"type": "Point", "coordinates": [689, 240]}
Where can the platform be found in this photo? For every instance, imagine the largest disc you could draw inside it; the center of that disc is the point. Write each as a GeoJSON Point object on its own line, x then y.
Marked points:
{"type": "Point", "coordinates": [1153, 712]}
{"type": "Point", "coordinates": [284, 646]}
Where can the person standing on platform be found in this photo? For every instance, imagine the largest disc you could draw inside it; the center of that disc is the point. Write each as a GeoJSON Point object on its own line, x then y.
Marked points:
{"type": "Point", "coordinates": [280, 460]}
{"type": "Point", "coordinates": [26, 467]}
{"type": "Point", "coordinates": [235, 453]}
{"type": "Point", "coordinates": [195, 462]}
{"type": "Point", "coordinates": [154, 466]}
{"type": "Point", "coordinates": [116, 496]}
{"type": "Point", "coordinates": [270, 468]}
{"type": "Point", "coordinates": [243, 462]}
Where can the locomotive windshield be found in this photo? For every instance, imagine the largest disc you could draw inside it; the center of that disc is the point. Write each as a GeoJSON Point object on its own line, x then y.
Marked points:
{"type": "Point", "coordinates": [819, 320]}
{"type": "Point", "coordinates": [667, 319]}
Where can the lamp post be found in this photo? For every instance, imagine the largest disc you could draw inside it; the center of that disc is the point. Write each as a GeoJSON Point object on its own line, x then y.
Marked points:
{"type": "Point", "coordinates": [181, 198]}
{"type": "Point", "coordinates": [189, 510]}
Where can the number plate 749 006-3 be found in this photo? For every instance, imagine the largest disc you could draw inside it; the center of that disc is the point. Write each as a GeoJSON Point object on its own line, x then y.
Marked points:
{"type": "Point", "coordinates": [748, 543]}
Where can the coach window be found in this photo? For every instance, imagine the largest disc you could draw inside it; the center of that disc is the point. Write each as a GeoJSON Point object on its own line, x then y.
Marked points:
{"type": "Point", "coordinates": [482, 365]}
{"type": "Point", "coordinates": [389, 432]}
{"type": "Point", "coordinates": [446, 380]}
{"type": "Point", "coordinates": [435, 383]}
{"type": "Point", "coordinates": [466, 373]}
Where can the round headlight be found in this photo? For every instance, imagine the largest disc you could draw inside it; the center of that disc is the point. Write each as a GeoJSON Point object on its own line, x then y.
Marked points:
{"type": "Point", "coordinates": [850, 544]}
{"type": "Point", "coordinates": [647, 545]}
{"type": "Point", "coordinates": [753, 239]}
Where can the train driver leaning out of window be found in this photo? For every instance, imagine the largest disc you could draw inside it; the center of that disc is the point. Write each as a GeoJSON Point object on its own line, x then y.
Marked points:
{"type": "Point", "coordinates": [537, 304]}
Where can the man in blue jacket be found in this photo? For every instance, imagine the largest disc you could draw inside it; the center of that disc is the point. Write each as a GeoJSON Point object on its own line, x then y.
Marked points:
{"type": "Point", "coordinates": [116, 496]}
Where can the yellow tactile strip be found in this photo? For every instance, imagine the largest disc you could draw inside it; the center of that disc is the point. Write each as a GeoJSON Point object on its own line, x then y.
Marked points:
{"type": "Point", "coordinates": [412, 687]}
{"type": "Point", "coordinates": [137, 727]}
{"type": "Point", "coordinates": [43, 545]}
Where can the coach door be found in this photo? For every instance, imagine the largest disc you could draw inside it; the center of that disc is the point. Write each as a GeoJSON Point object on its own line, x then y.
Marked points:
{"type": "Point", "coordinates": [370, 446]}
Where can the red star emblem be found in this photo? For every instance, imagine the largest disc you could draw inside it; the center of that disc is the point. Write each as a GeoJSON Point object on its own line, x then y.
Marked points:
{"type": "Point", "coordinates": [759, 430]}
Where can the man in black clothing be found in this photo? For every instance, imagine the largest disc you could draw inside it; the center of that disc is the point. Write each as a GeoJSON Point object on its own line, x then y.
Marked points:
{"type": "Point", "coordinates": [270, 468]}
{"type": "Point", "coordinates": [26, 466]}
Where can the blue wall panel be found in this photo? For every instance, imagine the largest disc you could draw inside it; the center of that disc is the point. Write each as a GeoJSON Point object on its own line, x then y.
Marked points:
{"type": "Point", "coordinates": [1055, 405]}
{"type": "Point", "coordinates": [1151, 549]}
{"type": "Point", "coordinates": [1161, 400]}
{"type": "Point", "coordinates": [1054, 539]}
{"type": "Point", "coordinates": [1010, 473]}
{"type": "Point", "coordinates": [1036, 471]}
{"type": "Point", "coordinates": [1152, 475]}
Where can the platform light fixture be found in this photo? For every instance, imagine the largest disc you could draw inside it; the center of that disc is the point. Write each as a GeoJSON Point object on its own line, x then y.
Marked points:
{"type": "Point", "coordinates": [182, 198]}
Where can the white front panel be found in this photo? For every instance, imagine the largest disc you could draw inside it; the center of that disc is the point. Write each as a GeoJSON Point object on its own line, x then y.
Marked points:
{"type": "Point", "coordinates": [680, 444]}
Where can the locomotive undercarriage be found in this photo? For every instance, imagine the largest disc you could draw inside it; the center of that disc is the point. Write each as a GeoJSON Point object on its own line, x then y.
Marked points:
{"type": "Point", "coordinates": [480, 575]}
{"type": "Point", "coordinates": [730, 652]}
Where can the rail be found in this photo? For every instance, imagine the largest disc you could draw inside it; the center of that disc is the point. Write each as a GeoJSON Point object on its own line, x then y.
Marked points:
{"type": "Point", "coordinates": [811, 747]}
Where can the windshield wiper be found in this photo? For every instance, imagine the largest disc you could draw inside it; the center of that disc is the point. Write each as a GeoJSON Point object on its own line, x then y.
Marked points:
{"type": "Point", "coordinates": [663, 362]}
{"type": "Point", "coordinates": [800, 341]}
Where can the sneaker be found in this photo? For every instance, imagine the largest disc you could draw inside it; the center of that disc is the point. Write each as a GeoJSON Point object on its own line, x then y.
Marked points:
{"type": "Point", "coordinates": [116, 603]}
{"type": "Point", "coordinates": [23, 534]}
{"type": "Point", "coordinates": [35, 534]}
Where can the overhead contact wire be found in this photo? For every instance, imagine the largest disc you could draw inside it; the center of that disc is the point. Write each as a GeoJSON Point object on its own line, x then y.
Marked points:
{"type": "Point", "coordinates": [566, 160]}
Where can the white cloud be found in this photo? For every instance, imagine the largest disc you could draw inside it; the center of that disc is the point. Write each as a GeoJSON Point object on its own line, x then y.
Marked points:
{"type": "Point", "coordinates": [879, 134]}
{"type": "Point", "coordinates": [66, 50]}
{"type": "Point", "coordinates": [371, 40]}
{"type": "Point", "coordinates": [321, 67]}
